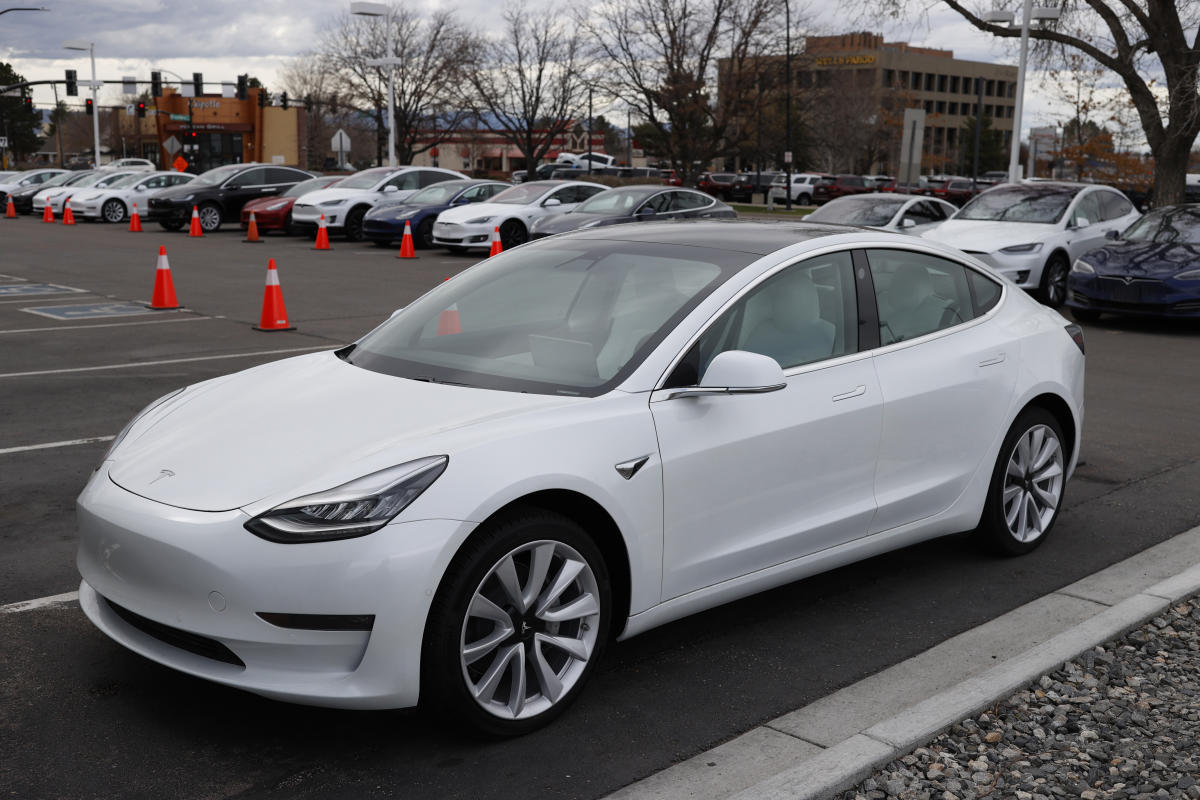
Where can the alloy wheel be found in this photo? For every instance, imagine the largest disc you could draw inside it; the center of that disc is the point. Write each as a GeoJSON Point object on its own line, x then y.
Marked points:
{"type": "Point", "coordinates": [1056, 283]}
{"type": "Point", "coordinates": [1033, 483]}
{"type": "Point", "coordinates": [114, 211]}
{"type": "Point", "coordinates": [530, 630]}
{"type": "Point", "coordinates": [210, 218]}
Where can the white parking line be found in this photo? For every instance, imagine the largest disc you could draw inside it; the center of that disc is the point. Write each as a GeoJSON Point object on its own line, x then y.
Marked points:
{"type": "Point", "coordinates": [136, 364]}
{"type": "Point", "coordinates": [104, 325]}
{"type": "Point", "coordinates": [68, 443]}
{"type": "Point", "coordinates": [32, 299]}
{"type": "Point", "coordinates": [41, 602]}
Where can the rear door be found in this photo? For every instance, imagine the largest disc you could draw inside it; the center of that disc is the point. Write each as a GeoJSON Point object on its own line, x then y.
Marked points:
{"type": "Point", "coordinates": [242, 188]}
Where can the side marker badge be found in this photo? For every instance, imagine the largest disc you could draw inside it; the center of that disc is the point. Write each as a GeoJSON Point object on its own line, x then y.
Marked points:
{"type": "Point", "coordinates": [627, 469]}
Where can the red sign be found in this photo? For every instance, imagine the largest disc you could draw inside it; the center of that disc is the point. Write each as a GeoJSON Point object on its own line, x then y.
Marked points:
{"type": "Point", "coordinates": [180, 163]}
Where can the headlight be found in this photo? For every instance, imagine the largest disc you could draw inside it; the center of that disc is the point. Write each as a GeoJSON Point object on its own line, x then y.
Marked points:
{"type": "Point", "coordinates": [112, 448]}
{"type": "Point", "coordinates": [479, 220]}
{"type": "Point", "coordinates": [1188, 275]}
{"type": "Point", "coordinates": [331, 203]}
{"type": "Point", "coordinates": [353, 509]}
{"type": "Point", "coordinates": [275, 206]}
{"type": "Point", "coordinates": [1083, 268]}
{"type": "Point", "coordinates": [1032, 247]}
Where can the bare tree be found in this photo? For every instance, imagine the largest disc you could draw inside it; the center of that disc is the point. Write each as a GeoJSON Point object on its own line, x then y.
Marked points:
{"type": "Point", "coordinates": [1143, 43]}
{"type": "Point", "coordinates": [527, 85]}
{"type": "Point", "coordinates": [689, 68]}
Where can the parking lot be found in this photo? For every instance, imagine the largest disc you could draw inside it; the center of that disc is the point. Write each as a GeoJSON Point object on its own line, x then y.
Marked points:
{"type": "Point", "coordinates": [81, 716]}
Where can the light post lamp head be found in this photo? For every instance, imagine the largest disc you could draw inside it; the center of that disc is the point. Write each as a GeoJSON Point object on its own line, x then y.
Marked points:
{"type": "Point", "coordinates": [77, 44]}
{"type": "Point", "coordinates": [369, 9]}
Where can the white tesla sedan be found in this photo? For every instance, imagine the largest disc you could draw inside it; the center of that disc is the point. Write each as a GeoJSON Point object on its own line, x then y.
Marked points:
{"type": "Point", "coordinates": [1033, 232]}
{"type": "Point", "coordinates": [113, 201]}
{"type": "Point", "coordinates": [345, 204]}
{"type": "Point", "coordinates": [892, 211]}
{"type": "Point", "coordinates": [579, 439]}
{"type": "Point", "coordinates": [513, 212]}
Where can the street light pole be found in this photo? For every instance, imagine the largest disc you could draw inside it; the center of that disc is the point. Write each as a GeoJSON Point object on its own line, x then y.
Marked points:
{"type": "Point", "coordinates": [382, 10]}
{"type": "Point", "coordinates": [1015, 156]}
{"type": "Point", "coordinates": [91, 48]}
{"type": "Point", "coordinates": [787, 77]}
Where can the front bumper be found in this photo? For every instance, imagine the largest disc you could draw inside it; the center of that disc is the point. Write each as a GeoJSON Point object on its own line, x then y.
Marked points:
{"type": "Point", "coordinates": [275, 220]}
{"type": "Point", "coordinates": [90, 209]}
{"type": "Point", "coordinates": [166, 210]}
{"type": "Point", "coordinates": [384, 230]}
{"type": "Point", "coordinates": [206, 578]}
{"type": "Point", "coordinates": [1147, 296]}
{"type": "Point", "coordinates": [456, 234]}
{"type": "Point", "coordinates": [310, 216]}
{"type": "Point", "coordinates": [1025, 270]}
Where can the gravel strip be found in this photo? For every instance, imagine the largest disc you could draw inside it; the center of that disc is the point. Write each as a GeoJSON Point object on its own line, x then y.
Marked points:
{"type": "Point", "coordinates": [1122, 721]}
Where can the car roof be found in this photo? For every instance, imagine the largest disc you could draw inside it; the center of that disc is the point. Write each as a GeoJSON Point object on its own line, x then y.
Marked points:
{"type": "Point", "coordinates": [745, 236]}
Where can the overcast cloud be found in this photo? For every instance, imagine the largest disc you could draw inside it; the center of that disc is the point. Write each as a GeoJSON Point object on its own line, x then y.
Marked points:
{"type": "Point", "coordinates": [223, 38]}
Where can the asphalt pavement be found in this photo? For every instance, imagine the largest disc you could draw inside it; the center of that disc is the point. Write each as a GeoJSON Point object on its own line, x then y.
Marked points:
{"type": "Point", "coordinates": [82, 717]}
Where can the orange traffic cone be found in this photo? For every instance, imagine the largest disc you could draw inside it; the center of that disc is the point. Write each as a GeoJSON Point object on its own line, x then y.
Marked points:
{"type": "Point", "coordinates": [406, 244]}
{"type": "Point", "coordinates": [10, 210]}
{"type": "Point", "coordinates": [68, 216]}
{"type": "Point", "coordinates": [496, 246]}
{"type": "Point", "coordinates": [252, 231]}
{"type": "Point", "coordinates": [274, 315]}
{"type": "Point", "coordinates": [449, 322]}
{"type": "Point", "coordinates": [194, 229]}
{"type": "Point", "coordinates": [135, 222]}
{"type": "Point", "coordinates": [47, 213]}
{"type": "Point", "coordinates": [164, 288]}
{"type": "Point", "coordinates": [322, 236]}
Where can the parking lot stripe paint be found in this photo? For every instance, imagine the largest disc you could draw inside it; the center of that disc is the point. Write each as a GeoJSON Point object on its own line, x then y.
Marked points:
{"type": "Point", "coordinates": [12, 278]}
{"type": "Point", "coordinates": [41, 602]}
{"type": "Point", "coordinates": [101, 325]}
{"type": "Point", "coordinates": [29, 289]}
{"type": "Point", "coordinates": [50, 445]}
{"type": "Point", "coordinates": [136, 364]}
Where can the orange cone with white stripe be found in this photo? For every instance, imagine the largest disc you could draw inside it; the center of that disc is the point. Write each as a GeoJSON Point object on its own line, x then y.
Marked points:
{"type": "Point", "coordinates": [406, 244]}
{"type": "Point", "coordinates": [47, 212]}
{"type": "Point", "coordinates": [68, 215]}
{"type": "Point", "coordinates": [449, 322]}
{"type": "Point", "coordinates": [252, 231]}
{"type": "Point", "coordinates": [135, 222]}
{"type": "Point", "coordinates": [10, 210]}
{"type": "Point", "coordinates": [322, 236]}
{"type": "Point", "coordinates": [274, 315]}
{"type": "Point", "coordinates": [164, 288]}
{"type": "Point", "coordinates": [194, 229]}
{"type": "Point", "coordinates": [497, 248]}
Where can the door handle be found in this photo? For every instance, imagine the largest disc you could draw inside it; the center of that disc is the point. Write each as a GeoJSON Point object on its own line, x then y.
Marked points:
{"type": "Point", "coordinates": [996, 359]}
{"type": "Point", "coordinates": [858, 391]}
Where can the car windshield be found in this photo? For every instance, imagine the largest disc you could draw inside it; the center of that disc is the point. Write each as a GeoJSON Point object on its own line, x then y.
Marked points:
{"type": "Point", "coordinates": [93, 179]}
{"type": "Point", "coordinates": [861, 210]}
{"type": "Point", "coordinates": [617, 202]}
{"type": "Point", "coordinates": [1171, 225]}
{"type": "Point", "coordinates": [131, 180]}
{"type": "Point", "coordinates": [60, 179]}
{"type": "Point", "coordinates": [218, 175]}
{"type": "Point", "coordinates": [113, 178]}
{"type": "Point", "coordinates": [304, 187]}
{"type": "Point", "coordinates": [436, 195]}
{"type": "Point", "coordinates": [521, 195]}
{"type": "Point", "coordinates": [572, 318]}
{"type": "Point", "coordinates": [1045, 204]}
{"type": "Point", "coordinates": [366, 179]}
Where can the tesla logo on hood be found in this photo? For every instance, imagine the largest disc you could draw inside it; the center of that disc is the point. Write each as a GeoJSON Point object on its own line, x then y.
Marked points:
{"type": "Point", "coordinates": [162, 473]}
{"type": "Point", "coordinates": [1126, 280]}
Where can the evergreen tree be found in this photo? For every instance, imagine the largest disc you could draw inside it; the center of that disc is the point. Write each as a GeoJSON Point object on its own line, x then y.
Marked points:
{"type": "Point", "coordinates": [19, 125]}
{"type": "Point", "coordinates": [993, 155]}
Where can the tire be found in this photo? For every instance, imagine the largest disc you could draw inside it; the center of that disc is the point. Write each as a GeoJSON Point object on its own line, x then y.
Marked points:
{"type": "Point", "coordinates": [171, 224]}
{"type": "Point", "coordinates": [805, 200]}
{"type": "Point", "coordinates": [352, 229]}
{"type": "Point", "coordinates": [113, 211]}
{"type": "Point", "coordinates": [1016, 489]}
{"type": "Point", "coordinates": [476, 626]}
{"type": "Point", "coordinates": [423, 235]}
{"type": "Point", "coordinates": [210, 217]}
{"type": "Point", "coordinates": [1085, 314]}
{"type": "Point", "coordinates": [513, 233]}
{"type": "Point", "coordinates": [289, 228]}
{"type": "Point", "coordinates": [1053, 291]}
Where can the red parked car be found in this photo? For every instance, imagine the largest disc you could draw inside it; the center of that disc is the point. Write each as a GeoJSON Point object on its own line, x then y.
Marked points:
{"type": "Point", "coordinates": [717, 184]}
{"type": "Point", "coordinates": [275, 213]}
{"type": "Point", "coordinates": [836, 186]}
{"type": "Point", "coordinates": [952, 190]}
{"type": "Point", "coordinates": [671, 178]}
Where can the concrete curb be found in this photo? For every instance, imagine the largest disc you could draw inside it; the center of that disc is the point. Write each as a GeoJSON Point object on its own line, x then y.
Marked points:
{"type": "Point", "coordinates": [839, 740]}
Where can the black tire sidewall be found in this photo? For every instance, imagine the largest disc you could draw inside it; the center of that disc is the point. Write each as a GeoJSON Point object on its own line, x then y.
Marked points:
{"type": "Point", "coordinates": [443, 689]}
{"type": "Point", "coordinates": [424, 234]}
{"type": "Point", "coordinates": [352, 226]}
{"type": "Point", "coordinates": [992, 526]}
{"type": "Point", "coordinates": [513, 226]}
{"type": "Point", "coordinates": [104, 212]}
{"type": "Point", "coordinates": [1057, 261]}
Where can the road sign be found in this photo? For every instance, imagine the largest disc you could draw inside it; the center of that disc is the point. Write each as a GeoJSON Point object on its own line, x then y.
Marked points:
{"type": "Point", "coordinates": [180, 163]}
{"type": "Point", "coordinates": [172, 145]}
{"type": "Point", "coordinates": [179, 117]}
{"type": "Point", "coordinates": [130, 109]}
{"type": "Point", "coordinates": [129, 84]}
{"type": "Point", "coordinates": [340, 143]}
{"type": "Point", "coordinates": [787, 156]}
{"type": "Point", "coordinates": [90, 310]}
{"type": "Point", "coordinates": [3, 142]}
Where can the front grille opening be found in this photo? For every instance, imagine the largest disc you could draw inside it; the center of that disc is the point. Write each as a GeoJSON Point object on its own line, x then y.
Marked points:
{"type": "Point", "coordinates": [320, 622]}
{"type": "Point", "coordinates": [191, 642]}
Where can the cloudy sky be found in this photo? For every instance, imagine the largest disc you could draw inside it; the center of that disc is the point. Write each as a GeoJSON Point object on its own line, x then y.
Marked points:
{"type": "Point", "coordinates": [223, 38]}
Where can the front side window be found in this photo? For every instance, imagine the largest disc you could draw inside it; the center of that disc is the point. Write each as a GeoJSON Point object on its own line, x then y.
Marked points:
{"type": "Point", "coordinates": [1087, 211]}
{"type": "Point", "coordinates": [1114, 206]}
{"type": "Point", "coordinates": [406, 180]}
{"type": "Point", "coordinates": [251, 177]}
{"type": "Point", "coordinates": [917, 294]}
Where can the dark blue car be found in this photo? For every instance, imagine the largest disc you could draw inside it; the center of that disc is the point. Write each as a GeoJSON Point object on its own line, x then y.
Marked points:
{"type": "Point", "coordinates": [384, 224]}
{"type": "Point", "coordinates": [1153, 268]}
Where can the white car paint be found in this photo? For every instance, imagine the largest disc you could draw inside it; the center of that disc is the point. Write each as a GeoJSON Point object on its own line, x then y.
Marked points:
{"type": "Point", "coordinates": [22, 179]}
{"type": "Point", "coordinates": [893, 445]}
{"type": "Point", "coordinates": [338, 202]}
{"type": "Point", "coordinates": [91, 202]}
{"type": "Point", "coordinates": [803, 184]}
{"type": "Point", "coordinates": [57, 196]}
{"type": "Point", "coordinates": [131, 165]}
{"type": "Point", "coordinates": [471, 227]}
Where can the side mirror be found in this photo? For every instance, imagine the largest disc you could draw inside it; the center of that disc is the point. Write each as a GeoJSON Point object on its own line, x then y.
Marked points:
{"type": "Point", "coordinates": [389, 189]}
{"type": "Point", "coordinates": [736, 372]}
{"type": "Point", "coordinates": [1080, 222]}
{"type": "Point", "coordinates": [141, 187]}
{"type": "Point", "coordinates": [1112, 235]}
{"type": "Point", "coordinates": [645, 212]}
{"type": "Point", "coordinates": [553, 201]}
{"type": "Point", "coordinates": [908, 222]}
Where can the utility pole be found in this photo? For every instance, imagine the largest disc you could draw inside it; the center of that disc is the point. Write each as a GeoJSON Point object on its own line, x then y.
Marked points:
{"type": "Point", "coordinates": [589, 147]}
{"type": "Point", "coordinates": [787, 77]}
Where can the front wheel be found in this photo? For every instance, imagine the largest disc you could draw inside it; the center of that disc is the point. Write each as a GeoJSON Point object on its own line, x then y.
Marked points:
{"type": "Point", "coordinates": [210, 218]}
{"type": "Point", "coordinates": [353, 227]}
{"type": "Point", "coordinates": [513, 233]}
{"type": "Point", "coordinates": [424, 234]}
{"type": "Point", "coordinates": [113, 211]}
{"type": "Point", "coordinates": [805, 200]}
{"type": "Point", "coordinates": [1027, 486]}
{"type": "Point", "coordinates": [517, 625]}
{"type": "Point", "coordinates": [1053, 290]}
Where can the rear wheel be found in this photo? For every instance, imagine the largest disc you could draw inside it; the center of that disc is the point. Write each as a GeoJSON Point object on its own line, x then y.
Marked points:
{"type": "Point", "coordinates": [805, 200]}
{"type": "Point", "coordinates": [353, 228]}
{"type": "Point", "coordinates": [210, 217]}
{"type": "Point", "coordinates": [1027, 486]}
{"type": "Point", "coordinates": [1053, 291]}
{"type": "Point", "coordinates": [113, 211]}
{"type": "Point", "coordinates": [423, 236]}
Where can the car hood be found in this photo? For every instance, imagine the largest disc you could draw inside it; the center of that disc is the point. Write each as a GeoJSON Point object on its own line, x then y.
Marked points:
{"type": "Point", "coordinates": [298, 426]}
{"type": "Point", "coordinates": [988, 235]}
{"type": "Point", "coordinates": [325, 195]}
{"type": "Point", "coordinates": [259, 203]}
{"type": "Point", "coordinates": [400, 212]}
{"type": "Point", "coordinates": [474, 210]}
{"type": "Point", "coordinates": [1144, 259]}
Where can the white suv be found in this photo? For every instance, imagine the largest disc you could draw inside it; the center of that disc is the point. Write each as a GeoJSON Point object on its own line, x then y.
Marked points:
{"type": "Point", "coordinates": [346, 203]}
{"type": "Point", "coordinates": [803, 184]}
{"type": "Point", "coordinates": [131, 165]}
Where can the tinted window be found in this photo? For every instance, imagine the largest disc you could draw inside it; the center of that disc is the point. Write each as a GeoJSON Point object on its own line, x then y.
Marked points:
{"type": "Point", "coordinates": [428, 177]}
{"type": "Point", "coordinates": [686, 201]}
{"type": "Point", "coordinates": [924, 212]}
{"type": "Point", "coordinates": [280, 175]}
{"type": "Point", "coordinates": [852, 180]}
{"type": "Point", "coordinates": [1113, 205]}
{"type": "Point", "coordinates": [985, 290]}
{"type": "Point", "coordinates": [917, 294]}
{"type": "Point", "coordinates": [251, 177]}
{"type": "Point", "coordinates": [406, 180]}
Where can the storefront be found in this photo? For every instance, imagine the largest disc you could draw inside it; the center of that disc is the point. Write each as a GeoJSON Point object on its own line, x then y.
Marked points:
{"type": "Point", "coordinates": [212, 130]}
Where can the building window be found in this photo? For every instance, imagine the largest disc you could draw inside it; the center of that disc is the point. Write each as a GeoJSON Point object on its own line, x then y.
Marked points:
{"type": "Point", "coordinates": [951, 137]}
{"type": "Point", "coordinates": [999, 88]}
{"type": "Point", "coordinates": [804, 80]}
{"type": "Point", "coordinates": [953, 84]}
{"type": "Point", "coordinates": [974, 109]}
{"type": "Point", "coordinates": [1012, 89]}
{"type": "Point", "coordinates": [942, 81]}
{"type": "Point", "coordinates": [864, 78]}
{"type": "Point", "coordinates": [987, 111]}
{"type": "Point", "coordinates": [941, 106]}
{"type": "Point", "coordinates": [824, 79]}
{"type": "Point", "coordinates": [928, 106]}
{"type": "Point", "coordinates": [953, 108]}
{"type": "Point", "coordinates": [990, 91]}
{"type": "Point", "coordinates": [1008, 112]}
{"type": "Point", "coordinates": [975, 84]}
{"type": "Point", "coordinates": [915, 81]}
{"type": "Point", "coordinates": [929, 79]}
{"type": "Point", "coordinates": [889, 78]}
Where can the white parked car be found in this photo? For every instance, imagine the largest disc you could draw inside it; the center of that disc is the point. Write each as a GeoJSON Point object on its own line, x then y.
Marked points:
{"type": "Point", "coordinates": [58, 194]}
{"type": "Point", "coordinates": [513, 211]}
{"type": "Point", "coordinates": [113, 202]}
{"type": "Point", "coordinates": [131, 165]}
{"type": "Point", "coordinates": [803, 184]}
{"type": "Point", "coordinates": [903, 213]}
{"type": "Point", "coordinates": [1032, 232]}
{"type": "Point", "coordinates": [29, 177]}
{"type": "Point", "coordinates": [579, 439]}
{"type": "Point", "coordinates": [345, 204]}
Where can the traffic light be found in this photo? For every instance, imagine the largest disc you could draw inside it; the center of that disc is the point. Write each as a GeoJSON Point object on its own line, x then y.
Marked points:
{"type": "Point", "coordinates": [243, 83]}
{"type": "Point", "coordinates": [141, 109]}
{"type": "Point", "coordinates": [198, 83]}
{"type": "Point", "coordinates": [90, 109]}
{"type": "Point", "coordinates": [72, 84]}
{"type": "Point", "coordinates": [283, 100]}
{"type": "Point", "coordinates": [29, 105]}
{"type": "Point", "coordinates": [156, 84]}
{"type": "Point", "coordinates": [262, 98]}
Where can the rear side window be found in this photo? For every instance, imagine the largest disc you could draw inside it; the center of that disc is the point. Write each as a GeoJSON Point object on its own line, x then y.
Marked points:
{"type": "Point", "coordinates": [918, 294]}
{"type": "Point", "coordinates": [685, 201]}
{"type": "Point", "coordinates": [251, 177]}
{"type": "Point", "coordinates": [1113, 206]}
{"type": "Point", "coordinates": [852, 180]}
{"type": "Point", "coordinates": [984, 290]}
{"type": "Point", "coordinates": [1087, 210]}
{"type": "Point", "coordinates": [429, 177]}
{"type": "Point", "coordinates": [405, 180]}
{"type": "Point", "coordinates": [279, 175]}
